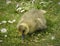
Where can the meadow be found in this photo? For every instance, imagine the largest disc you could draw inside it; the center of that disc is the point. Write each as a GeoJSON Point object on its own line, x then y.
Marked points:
{"type": "Point", "coordinates": [12, 10]}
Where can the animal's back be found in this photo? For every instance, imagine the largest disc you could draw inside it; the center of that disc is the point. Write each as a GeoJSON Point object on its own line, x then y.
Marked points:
{"type": "Point", "coordinates": [33, 14]}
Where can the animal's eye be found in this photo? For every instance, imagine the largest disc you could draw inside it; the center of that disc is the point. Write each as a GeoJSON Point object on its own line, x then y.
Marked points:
{"type": "Point", "coordinates": [23, 31]}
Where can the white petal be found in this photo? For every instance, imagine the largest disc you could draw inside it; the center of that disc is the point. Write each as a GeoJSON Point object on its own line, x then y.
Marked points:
{"type": "Point", "coordinates": [13, 20]}
{"type": "Point", "coordinates": [8, 1]}
{"type": "Point", "coordinates": [22, 11]}
{"type": "Point", "coordinates": [10, 21]}
{"type": "Point", "coordinates": [18, 9]}
{"type": "Point", "coordinates": [59, 3]}
{"type": "Point", "coordinates": [17, 5]}
{"type": "Point", "coordinates": [5, 35]}
{"type": "Point", "coordinates": [1, 40]}
{"type": "Point", "coordinates": [4, 21]}
{"type": "Point", "coordinates": [53, 37]}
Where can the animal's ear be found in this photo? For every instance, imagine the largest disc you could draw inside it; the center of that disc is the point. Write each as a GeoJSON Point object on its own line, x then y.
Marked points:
{"type": "Point", "coordinates": [42, 11]}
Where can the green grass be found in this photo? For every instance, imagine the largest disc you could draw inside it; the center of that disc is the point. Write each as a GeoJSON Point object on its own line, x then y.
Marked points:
{"type": "Point", "coordinates": [48, 37]}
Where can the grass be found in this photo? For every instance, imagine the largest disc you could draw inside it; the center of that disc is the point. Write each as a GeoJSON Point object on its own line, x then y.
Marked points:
{"type": "Point", "coordinates": [48, 37]}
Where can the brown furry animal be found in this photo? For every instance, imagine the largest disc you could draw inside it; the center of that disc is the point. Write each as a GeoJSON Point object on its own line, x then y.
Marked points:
{"type": "Point", "coordinates": [31, 21]}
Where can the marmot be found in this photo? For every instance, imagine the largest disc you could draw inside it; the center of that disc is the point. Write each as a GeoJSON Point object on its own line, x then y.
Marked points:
{"type": "Point", "coordinates": [31, 21]}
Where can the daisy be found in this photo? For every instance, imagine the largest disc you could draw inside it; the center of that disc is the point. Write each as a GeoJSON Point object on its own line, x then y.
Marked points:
{"type": "Point", "coordinates": [5, 35]}
{"type": "Point", "coordinates": [53, 37]}
{"type": "Point", "coordinates": [8, 1]}
{"type": "Point", "coordinates": [1, 40]}
{"type": "Point", "coordinates": [13, 20]}
{"type": "Point", "coordinates": [10, 21]}
{"type": "Point", "coordinates": [22, 11]}
{"type": "Point", "coordinates": [3, 30]}
{"type": "Point", "coordinates": [17, 5]}
{"type": "Point", "coordinates": [18, 9]}
{"type": "Point", "coordinates": [4, 21]}
{"type": "Point", "coordinates": [59, 3]}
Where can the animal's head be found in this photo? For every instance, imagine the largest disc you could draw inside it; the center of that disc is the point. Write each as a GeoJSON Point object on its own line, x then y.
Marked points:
{"type": "Point", "coordinates": [23, 29]}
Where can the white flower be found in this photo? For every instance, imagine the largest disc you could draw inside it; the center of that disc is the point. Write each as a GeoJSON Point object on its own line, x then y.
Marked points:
{"type": "Point", "coordinates": [4, 21]}
{"type": "Point", "coordinates": [13, 20]}
{"type": "Point", "coordinates": [8, 1]}
{"type": "Point", "coordinates": [22, 11]}
{"type": "Point", "coordinates": [3, 30]}
{"type": "Point", "coordinates": [18, 9]}
{"type": "Point", "coordinates": [33, 1]}
{"type": "Point", "coordinates": [1, 40]}
{"type": "Point", "coordinates": [10, 21]}
{"type": "Point", "coordinates": [5, 35]}
{"type": "Point", "coordinates": [53, 37]}
{"type": "Point", "coordinates": [59, 3]}
{"type": "Point", "coordinates": [17, 5]}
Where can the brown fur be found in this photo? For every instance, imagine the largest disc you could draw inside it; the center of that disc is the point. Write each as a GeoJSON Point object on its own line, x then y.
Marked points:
{"type": "Point", "coordinates": [32, 21]}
